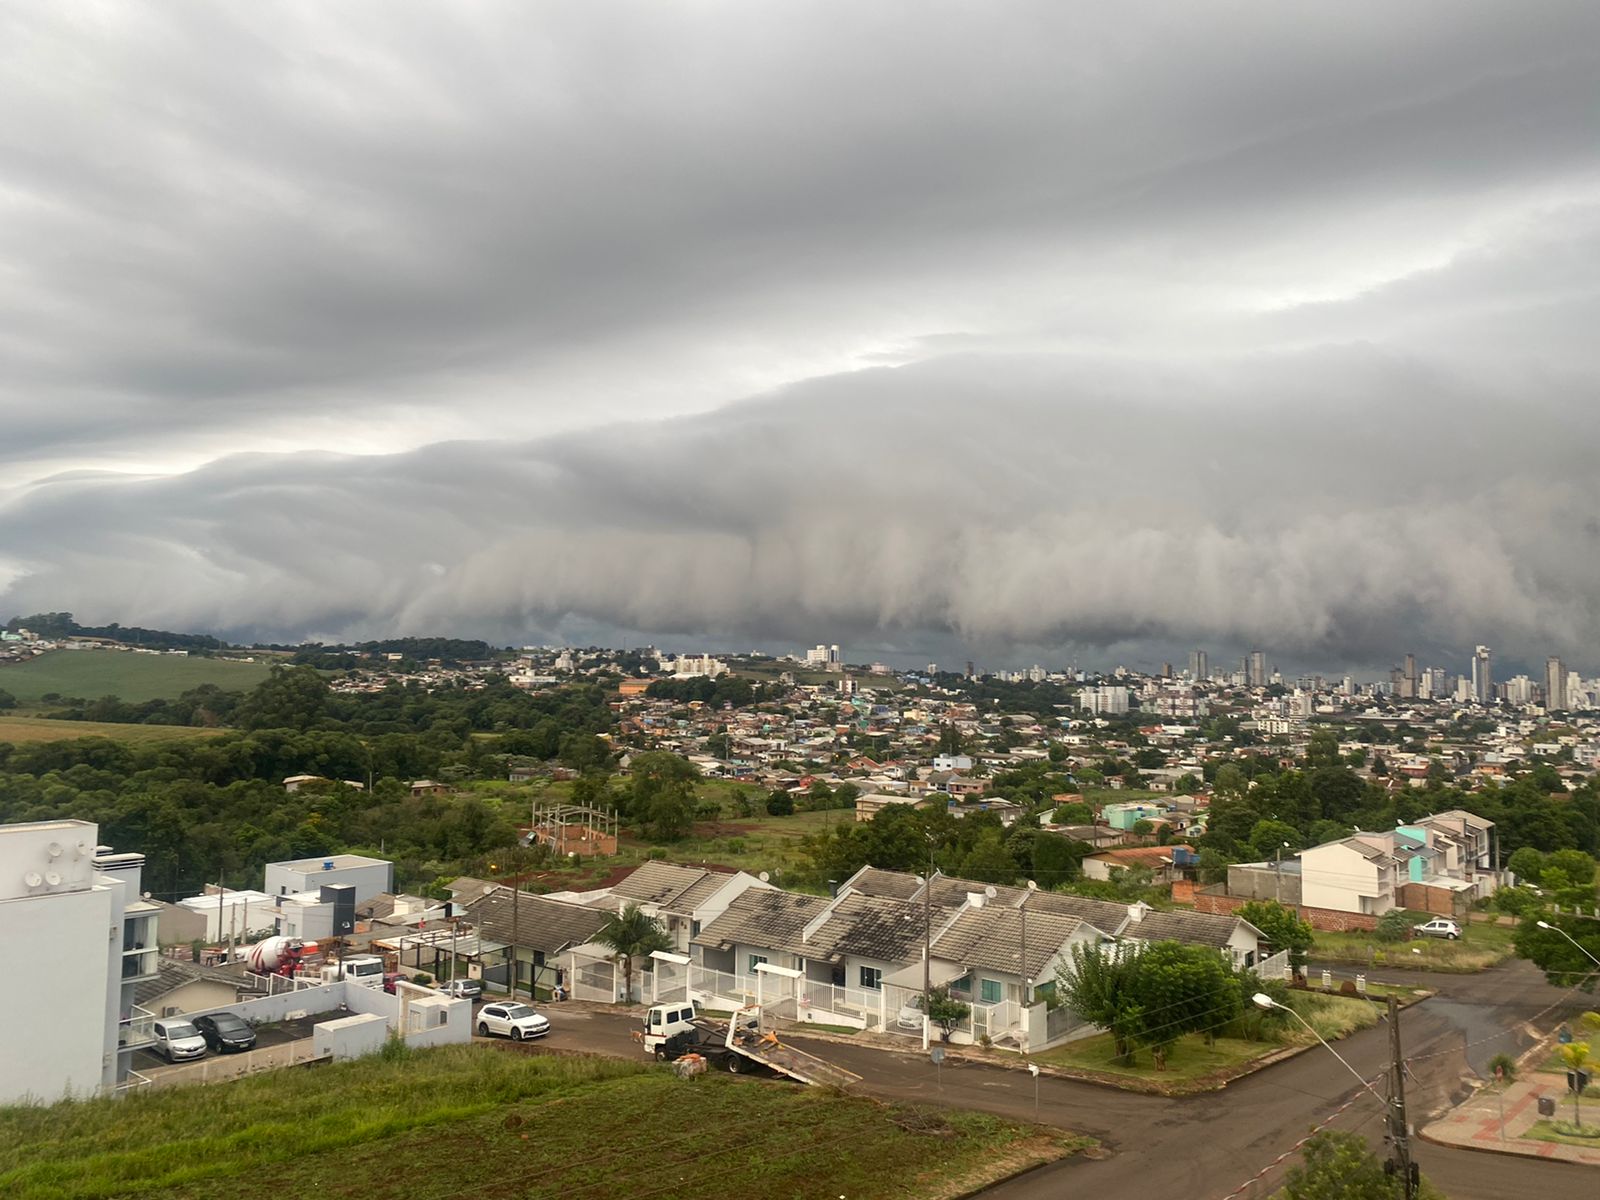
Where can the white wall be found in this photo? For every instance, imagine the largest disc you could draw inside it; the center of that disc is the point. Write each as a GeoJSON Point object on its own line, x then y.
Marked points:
{"type": "Point", "coordinates": [350, 1037]}
{"type": "Point", "coordinates": [369, 880]}
{"type": "Point", "coordinates": [52, 1040]}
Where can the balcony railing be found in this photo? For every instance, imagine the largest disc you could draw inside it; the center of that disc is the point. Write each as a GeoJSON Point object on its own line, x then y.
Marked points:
{"type": "Point", "coordinates": [141, 963]}
{"type": "Point", "coordinates": [135, 1029]}
{"type": "Point", "coordinates": [134, 1082]}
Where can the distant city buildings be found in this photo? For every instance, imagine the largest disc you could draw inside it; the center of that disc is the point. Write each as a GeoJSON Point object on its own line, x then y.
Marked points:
{"type": "Point", "coordinates": [1199, 668]}
{"type": "Point", "coordinates": [1555, 684]}
{"type": "Point", "coordinates": [1482, 676]}
{"type": "Point", "coordinates": [827, 658]}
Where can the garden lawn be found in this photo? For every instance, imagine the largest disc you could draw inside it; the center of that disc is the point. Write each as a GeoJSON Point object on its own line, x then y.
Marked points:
{"type": "Point", "coordinates": [1191, 1063]}
{"type": "Point", "coordinates": [1546, 1131]}
{"type": "Point", "coordinates": [482, 1121]}
{"type": "Point", "coordinates": [1482, 944]}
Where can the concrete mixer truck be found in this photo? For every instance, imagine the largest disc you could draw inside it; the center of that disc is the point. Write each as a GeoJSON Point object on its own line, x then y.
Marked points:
{"type": "Point", "coordinates": [280, 956]}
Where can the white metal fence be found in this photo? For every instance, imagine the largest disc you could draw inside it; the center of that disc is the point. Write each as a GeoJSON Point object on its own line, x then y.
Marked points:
{"type": "Point", "coordinates": [1275, 967]}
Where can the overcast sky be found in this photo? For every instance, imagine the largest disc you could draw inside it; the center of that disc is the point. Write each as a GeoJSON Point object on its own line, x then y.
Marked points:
{"type": "Point", "coordinates": [1017, 331]}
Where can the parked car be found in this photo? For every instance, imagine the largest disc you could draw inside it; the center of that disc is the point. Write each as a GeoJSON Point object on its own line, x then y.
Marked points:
{"type": "Point", "coordinates": [469, 989]}
{"type": "Point", "coordinates": [909, 1017]}
{"type": "Point", "coordinates": [1438, 927]}
{"type": "Point", "coordinates": [225, 1031]}
{"type": "Point", "coordinates": [516, 1021]}
{"type": "Point", "coordinates": [177, 1040]}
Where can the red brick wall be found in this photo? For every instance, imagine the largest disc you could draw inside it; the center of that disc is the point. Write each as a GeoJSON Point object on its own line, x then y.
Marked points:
{"type": "Point", "coordinates": [1327, 919]}
{"type": "Point", "coordinates": [1182, 891]}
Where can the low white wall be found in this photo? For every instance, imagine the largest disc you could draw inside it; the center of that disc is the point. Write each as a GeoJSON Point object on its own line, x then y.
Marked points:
{"type": "Point", "coordinates": [427, 1027]}
{"type": "Point", "coordinates": [266, 1009]}
{"type": "Point", "coordinates": [350, 1037]}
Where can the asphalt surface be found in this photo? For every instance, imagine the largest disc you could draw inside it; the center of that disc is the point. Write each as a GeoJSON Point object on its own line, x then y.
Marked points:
{"type": "Point", "coordinates": [1208, 1146]}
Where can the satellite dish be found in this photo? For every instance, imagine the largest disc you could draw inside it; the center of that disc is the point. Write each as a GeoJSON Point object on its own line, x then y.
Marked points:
{"type": "Point", "coordinates": [763, 877]}
{"type": "Point", "coordinates": [1032, 886]}
{"type": "Point", "coordinates": [989, 892]}
{"type": "Point", "coordinates": [53, 878]}
{"type": "Point", "coordinates": [33, 879]}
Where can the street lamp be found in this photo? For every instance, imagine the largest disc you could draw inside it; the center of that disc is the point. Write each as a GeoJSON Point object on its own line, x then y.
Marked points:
{"type": "Point", "coordinates": [1265, 1001]}
{"type": "Point", "coordinates": [1581, 949]}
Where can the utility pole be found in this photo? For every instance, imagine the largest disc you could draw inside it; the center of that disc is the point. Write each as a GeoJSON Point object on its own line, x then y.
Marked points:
{"type": "Point", "coordinates": [514, 890]}
{"type": "Point", "coordinates": [1399, 1138]}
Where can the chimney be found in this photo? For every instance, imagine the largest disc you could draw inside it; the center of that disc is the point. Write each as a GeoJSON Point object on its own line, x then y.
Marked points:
{"type": "Point", "coordinates": [1136, 911]}
{"type": "Point", "coordinates": [975, 899]}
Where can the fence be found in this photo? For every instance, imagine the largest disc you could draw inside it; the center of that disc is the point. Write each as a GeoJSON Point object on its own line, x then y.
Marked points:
{"type": "Point", "coordinates": [1275, 967]}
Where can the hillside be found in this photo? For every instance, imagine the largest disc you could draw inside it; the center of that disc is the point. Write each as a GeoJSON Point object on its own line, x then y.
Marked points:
{"type": "Point", "coordinates": [134, 677]}
{"type": "Point", "coordinates": [488, 1120]}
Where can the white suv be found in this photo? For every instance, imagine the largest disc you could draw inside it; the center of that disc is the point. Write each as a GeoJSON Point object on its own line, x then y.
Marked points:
{"type": "Point", "coordinates": [516, 1021]}
{"type": "Point", "coordinates": [1438, 927]}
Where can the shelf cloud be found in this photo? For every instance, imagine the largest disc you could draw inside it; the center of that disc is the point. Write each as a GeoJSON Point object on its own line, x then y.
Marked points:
{"type": "Point", "coordinates": [1038, 326]}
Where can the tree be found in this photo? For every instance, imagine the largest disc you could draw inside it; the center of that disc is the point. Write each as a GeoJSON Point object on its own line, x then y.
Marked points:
{"type": "Point", "coordinates": [780, 803]}
{"type": "Point", "coordinates": [631, 934]}
{"type": "Point", "coordinates": [1578, 867]}
{"type": "Point", "coordinates": [7, 700]}
{"type": "Point", "coordinates": [1393, 926]}
{"type": "Point", "coordinates": [1282, 927]}
{"type": "Point", "coordinates": [290, 698]}
{"type": "Point", "coordinates": [945, 1011]}
{"type": "Point", "coordinates": [1182, 989]}
{"type": "Point", "coordinates": [663, 800]}
{"type": "Point", "coordinates": [1339, 1166]}
{"type": "Point", "coordinates": [1563, 963]}
{"type": "Point", "coordinates": [1101, 987]}
{"type": "Point", "coordinates": [1576, 1056]}
{"type": "Point", "coordinates": [1527, 864]}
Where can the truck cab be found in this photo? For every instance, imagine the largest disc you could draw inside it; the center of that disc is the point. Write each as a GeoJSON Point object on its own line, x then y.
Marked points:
{"type": "Point", "coordinates": [365, 969]}
{"type": "Point", "coordinates": [663, 1021]}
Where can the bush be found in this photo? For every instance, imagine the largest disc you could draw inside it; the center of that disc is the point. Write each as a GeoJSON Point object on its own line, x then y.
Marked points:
{"type": "Point", "coordinates": [1393, 926]}
{"type": "Point", "coordinates": [1506, 1065]}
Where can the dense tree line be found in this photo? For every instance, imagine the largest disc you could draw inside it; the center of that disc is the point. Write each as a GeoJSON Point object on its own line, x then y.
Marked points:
{"type": "Point", "coordinates": [200, 810]}
{"type": "Point", "coordinates": [61, 625]}
{"type": "Point", "coordinates": [450, 652]}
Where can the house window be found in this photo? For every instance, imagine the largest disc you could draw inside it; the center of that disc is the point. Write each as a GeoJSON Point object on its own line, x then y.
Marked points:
{"type": "Point", "coordinates": [991, 992]}
{"type": "Point", "coordinates": [871, 978]}
{"type": "Point", "coordinates": [755, 961]}
{"type": "Point", "coordinates": [694, 928]}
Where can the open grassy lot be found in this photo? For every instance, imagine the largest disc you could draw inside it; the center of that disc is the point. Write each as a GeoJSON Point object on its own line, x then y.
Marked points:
{"type": "Point", "coordinates": [18, 730]}
{"type": "Point", "coordinates": [484, 1121]}
{"type": "Point", "coordinates": [1192, 1064]}
{"type": "Point", "coordinates": [135, 678]}
{"type": "Point", "coordinates": [1482, 944]}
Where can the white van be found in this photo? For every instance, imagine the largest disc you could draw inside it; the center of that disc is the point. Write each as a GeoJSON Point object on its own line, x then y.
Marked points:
{"type": "Point", "coordinates": [665, 1020]}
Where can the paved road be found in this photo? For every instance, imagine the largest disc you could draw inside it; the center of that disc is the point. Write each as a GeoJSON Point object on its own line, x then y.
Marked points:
{"type": "Point", "coordinates": [1206, 1146]}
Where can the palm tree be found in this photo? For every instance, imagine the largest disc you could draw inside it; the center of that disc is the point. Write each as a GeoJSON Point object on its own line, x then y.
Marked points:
{"type": "Point", "coordinates": [630, 934]}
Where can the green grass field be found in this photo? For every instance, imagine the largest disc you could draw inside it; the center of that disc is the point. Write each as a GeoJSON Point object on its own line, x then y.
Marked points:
{"type": "Point", "coordinates": [1482, 944]}
{"type": "Point", "coordinates": [487, 1121]}
{"type": "Point", "coordinates": [135, 678]}
{"type": "Point", "coordinates": [18, 730]}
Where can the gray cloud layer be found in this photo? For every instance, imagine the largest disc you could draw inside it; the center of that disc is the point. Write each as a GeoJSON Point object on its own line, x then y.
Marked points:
{"type": "Point", "coordinates": [1230, 321]}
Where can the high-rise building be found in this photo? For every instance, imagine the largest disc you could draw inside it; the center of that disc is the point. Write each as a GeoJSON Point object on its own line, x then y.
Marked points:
{"type": "Point", "coordinates": [1255, 672]}
{"type": "Point", "coordinates": [1555, 685]}
{"type": "Point", "coordinates": [1199, 669]}
{"type": "Point", "coordinates": [1482, 676]}
{"type": "Point", "coordinates": [1408, 679]}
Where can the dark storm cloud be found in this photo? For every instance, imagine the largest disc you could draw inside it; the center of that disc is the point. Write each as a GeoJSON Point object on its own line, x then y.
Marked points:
{"type": "Point", "coordinates": [1347, 502]}
{"type": "Point", "coordinates": [1278, 320]}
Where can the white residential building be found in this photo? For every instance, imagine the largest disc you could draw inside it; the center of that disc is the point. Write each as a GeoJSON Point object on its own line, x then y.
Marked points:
{"type": "Point", "coordinates": [72, 909]}
{"type": "Point", "coordinates": [1111, 700]}
{"type": "Point", "coordinates": [370, 876]}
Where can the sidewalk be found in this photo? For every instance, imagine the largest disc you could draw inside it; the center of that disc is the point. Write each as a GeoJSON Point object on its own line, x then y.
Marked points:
{"type": "Point", "coordinates": [1475, 1123]}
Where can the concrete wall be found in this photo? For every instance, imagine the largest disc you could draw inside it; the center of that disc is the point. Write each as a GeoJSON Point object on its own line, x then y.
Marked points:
{"type": "Point", "coordinates": [179, 926]}
{"type": "Point", "coordinates": [430, 1019]}
{"type": "Point", "coordinates": [1250, 882]}
{"type": "Point", "coordinates": [350, 1037]}
{"type": "Point", "coordinates": [1441, 902]}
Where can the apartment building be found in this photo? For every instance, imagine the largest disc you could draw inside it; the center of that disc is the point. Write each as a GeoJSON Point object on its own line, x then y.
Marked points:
{"type": "Point", "coordinates": [72, 906]}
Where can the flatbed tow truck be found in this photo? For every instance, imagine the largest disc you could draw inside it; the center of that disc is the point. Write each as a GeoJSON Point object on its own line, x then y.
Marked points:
{"type": "Point", "coordinates": [673, 1031]}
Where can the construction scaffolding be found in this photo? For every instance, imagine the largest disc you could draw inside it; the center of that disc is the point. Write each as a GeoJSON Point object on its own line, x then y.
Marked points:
{"type": "Point", "coordinates": [573, 829]}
